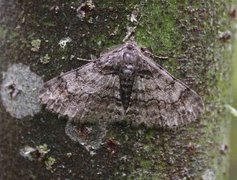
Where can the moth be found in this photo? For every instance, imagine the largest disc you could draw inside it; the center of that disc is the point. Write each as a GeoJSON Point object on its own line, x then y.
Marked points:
{"type": "Point", "coordinates": [122, 84]}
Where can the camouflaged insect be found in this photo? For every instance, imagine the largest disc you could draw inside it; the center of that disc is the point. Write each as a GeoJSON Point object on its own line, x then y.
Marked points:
{"type": "Point", "coordinates": [122, 84]}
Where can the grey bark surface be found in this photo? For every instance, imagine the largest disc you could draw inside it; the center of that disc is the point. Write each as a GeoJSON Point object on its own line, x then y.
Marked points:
{"type": "Point", "coordinates": [39, 40]}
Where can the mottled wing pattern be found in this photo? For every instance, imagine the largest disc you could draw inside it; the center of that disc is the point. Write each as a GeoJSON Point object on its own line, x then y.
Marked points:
{"type": "Point", "coordinates": [162, 100]}
{"type": "Point", "coordinates": [84, 94]}
{"type": "Point", "coordinates": [92, 92]}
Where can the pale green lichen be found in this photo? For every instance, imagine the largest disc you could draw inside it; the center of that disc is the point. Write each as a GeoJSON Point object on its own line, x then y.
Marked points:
{"type": "Point", "coordinates": [49, 162]}
{"type": "Point", "coordinates": [43, 149]}
{"type": "Point", "coordinates": [45, 59]}
{"type": "Point", "coordinates": [35, 45]}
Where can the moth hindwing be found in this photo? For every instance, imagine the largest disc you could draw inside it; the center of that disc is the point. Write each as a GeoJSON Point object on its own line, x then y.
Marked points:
{"type": "Point", "coordinates": [122, 84]}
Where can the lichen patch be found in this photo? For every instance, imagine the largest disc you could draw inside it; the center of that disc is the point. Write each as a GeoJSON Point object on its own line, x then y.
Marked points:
{"type": "Point", "coordinates": [19, 91]}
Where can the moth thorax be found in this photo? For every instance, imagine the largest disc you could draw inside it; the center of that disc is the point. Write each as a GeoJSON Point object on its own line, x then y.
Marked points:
{"type": "Point", "coordinates": [128, 64]}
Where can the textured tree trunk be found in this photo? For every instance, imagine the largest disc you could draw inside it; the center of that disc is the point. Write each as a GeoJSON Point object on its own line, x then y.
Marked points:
{"type": "Point", "coordinates": [50, 37]}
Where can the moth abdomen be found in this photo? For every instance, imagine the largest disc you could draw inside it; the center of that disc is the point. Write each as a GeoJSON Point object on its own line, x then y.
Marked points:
{"type": "Point", "coordinates": [126, 85]}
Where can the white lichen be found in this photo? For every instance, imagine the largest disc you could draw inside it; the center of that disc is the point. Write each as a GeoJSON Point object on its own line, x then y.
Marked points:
{"type": "Point", "coordinates": [35, 153]}
{"type": "Point", "coordinates": [88, 135]}
{"type": "Point", "coordinates": [88, 5]}
{"type": "Point", "coordinates": [20, 90]}
{"type": "Point", "coordinates": [209, 175]}
{"type": "Point", "coordinates": [28, 152]}
{"type": "Point", "coordinates": [63, 42]}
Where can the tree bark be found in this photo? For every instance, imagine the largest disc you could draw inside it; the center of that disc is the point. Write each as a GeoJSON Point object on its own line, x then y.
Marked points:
{"type": "Point", "coordinates": [187, 32]}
